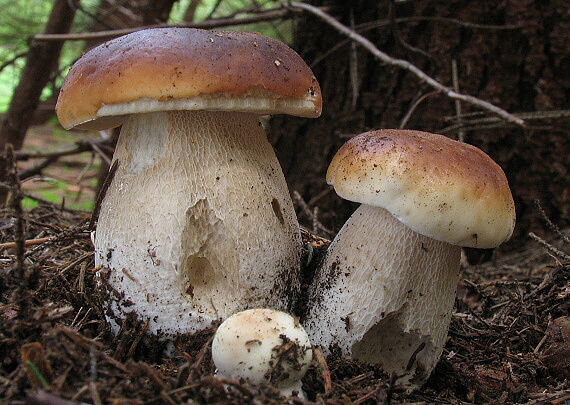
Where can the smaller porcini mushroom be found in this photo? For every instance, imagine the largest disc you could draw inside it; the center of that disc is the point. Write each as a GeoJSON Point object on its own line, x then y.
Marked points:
{"type": "Point", "coordinates": [197, 222]}
{"type": "Point", "coordinates": [263, 346]}
{"type": "Point", "coordinates": [385, 290]}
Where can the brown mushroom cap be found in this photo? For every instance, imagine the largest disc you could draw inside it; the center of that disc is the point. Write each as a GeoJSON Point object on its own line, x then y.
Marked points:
{"type": "Point", "coordinates": [438, 187]}
{"type": "Point", "coordinates": [186, 69]}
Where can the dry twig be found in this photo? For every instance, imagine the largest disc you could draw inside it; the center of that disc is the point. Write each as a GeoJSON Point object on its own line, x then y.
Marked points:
{"type": "Point", "coordinates": [312, 214]}
{"type": "Point", "coordinates": [455, 79]}
{"type": "Point", "coordinates": [261, 16]}
{"type": "Point", "coordinates": [325, 372]}
{"type": "Point", "coordinates": [198, 360]}
{"type": "Point", "coordinates": [27, 242]}
{"type": "Point", "coordinates": [70, 233]}
{"type": "Point", "coordinates": [44, 398]}
{"type": "Point", "coordinates": [551, 249]}
{"type": "Point", "coordinates": [16, 197]}
{"type": "Point", "coordinates": [413, 107]}
{"type": "Point", "coordinates": [553, 227]}
{"type": "Point", "coordinates": [477, 120]}
{"type": "Point", "coordinates": [102, 192]}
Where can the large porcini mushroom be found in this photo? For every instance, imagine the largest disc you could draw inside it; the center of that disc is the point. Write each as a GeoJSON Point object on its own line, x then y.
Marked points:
{"type": "Point", "coordinates": [385, 290]}
{"type": "Point", "coordinates": [263, 345]}
{"type": "Point", "coordinates": [197, 222]}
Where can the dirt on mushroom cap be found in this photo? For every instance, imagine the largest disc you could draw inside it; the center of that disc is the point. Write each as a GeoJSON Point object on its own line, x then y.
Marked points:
{"type": "Point", "coordinates": [441, 188]}
{"type": "Point", "coordinates": [166, 64]}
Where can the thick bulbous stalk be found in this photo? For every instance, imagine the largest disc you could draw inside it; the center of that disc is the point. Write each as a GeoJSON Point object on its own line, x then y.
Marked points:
{"type": "Point", "coordinates": [197, 223]}
{"type": "Point", "coordinates": [384, 294]}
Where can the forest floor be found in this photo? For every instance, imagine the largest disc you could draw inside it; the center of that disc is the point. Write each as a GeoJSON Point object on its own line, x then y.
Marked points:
{"type": "Point", "coordinates": [508, 343]}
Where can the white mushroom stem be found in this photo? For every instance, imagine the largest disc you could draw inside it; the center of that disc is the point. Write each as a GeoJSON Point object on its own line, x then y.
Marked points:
{"type": "Point", "coordinates": [197, 223]}
{"type": "Point", "coordinates": [384, 294]}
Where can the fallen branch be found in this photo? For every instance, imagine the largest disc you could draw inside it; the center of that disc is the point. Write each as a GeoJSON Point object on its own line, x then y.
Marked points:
{"type": "Point", "coordinates": [268, 15]}
{"type": "Point", "coordinates": [68, 150]}
{"type": "Point", "coordinates": [73, 233]}
{"type": "Point", "coordinates": [441, 20]}
{"type": "Point", "coordinates": [27, 242]}
{"type": "Point", "coordinates": [15, 202]}
{"type": "Point", "coordinates": [551, 225]}
{"type": "Point", "coordinates": [413, 107]}
{"type": "Point", "coordinates": [198, 360]}
{"type": "Point", "coordinates": [551, 249]}
{"type": "Point", "coordinates": [311, 214]}
{"type": "Point", "coordinates": [476, 120]}
{"type": "Point", "coordinates": [403, 64]}
{"type": "Point", "coordinates": [324, 368]}
{"type": "Point", "coordinates": [35, 170]}
{"type": "Point", "coordinates": [93, 146]}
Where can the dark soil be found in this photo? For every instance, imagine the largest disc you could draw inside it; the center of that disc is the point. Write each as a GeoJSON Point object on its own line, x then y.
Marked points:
{"type": "Point", "coordinates": [509, 340]}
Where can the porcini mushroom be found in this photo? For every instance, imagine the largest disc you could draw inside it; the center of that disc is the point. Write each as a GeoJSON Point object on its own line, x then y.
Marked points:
{"type": "Point", "coordinates": [197, 222]}
{"type": "Point", "coordinates": [263, 345]}
{"type": "Point", "coordinates": [385, 290]}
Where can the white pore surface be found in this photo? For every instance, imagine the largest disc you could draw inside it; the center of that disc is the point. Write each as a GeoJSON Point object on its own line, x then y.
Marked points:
{"type": "Point", "coordinates": [198, 222]}
{"type": "Point", "coordinates": [257, 104]}
{"type": "Point", "coordinates": [263, 345]}
{"type": "Point", "coordinates": [384, 292]}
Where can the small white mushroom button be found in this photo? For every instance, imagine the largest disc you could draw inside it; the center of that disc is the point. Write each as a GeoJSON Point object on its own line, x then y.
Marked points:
{"type": "Point", "coordinates": [263, 345]}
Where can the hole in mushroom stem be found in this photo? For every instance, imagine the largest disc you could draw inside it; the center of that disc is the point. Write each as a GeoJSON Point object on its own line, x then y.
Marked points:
{"type": "Point", "coordinates": [277, 210]}
{"type": "Point", "coordinates": [200, 271]}
{"type": "Point", "coordinates": [394, 347]}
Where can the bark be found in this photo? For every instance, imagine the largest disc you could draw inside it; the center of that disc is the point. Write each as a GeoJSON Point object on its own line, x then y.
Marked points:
{"type": "Point", "coordinates": [41, 62]}
{"type": "Point", "coordinates": [523, 68]}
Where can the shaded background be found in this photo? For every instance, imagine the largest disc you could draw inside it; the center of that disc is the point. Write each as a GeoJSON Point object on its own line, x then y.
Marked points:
{"type": "Point", "coordinates": [515, 54]}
